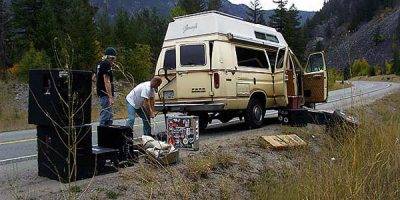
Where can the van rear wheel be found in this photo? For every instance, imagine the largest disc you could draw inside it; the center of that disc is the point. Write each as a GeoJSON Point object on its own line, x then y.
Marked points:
{"type": "Point", "coordinates": [254, 114]}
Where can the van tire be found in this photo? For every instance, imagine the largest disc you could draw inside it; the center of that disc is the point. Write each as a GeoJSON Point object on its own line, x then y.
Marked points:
{"type": "Point", "coordinates": [254, 114]}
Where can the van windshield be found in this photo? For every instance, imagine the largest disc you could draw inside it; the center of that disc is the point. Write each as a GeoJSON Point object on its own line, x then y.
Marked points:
{"type": "Point", "coordinates": [193, 55]}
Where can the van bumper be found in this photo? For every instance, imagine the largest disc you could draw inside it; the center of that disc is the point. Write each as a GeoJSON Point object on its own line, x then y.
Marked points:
{"type": "Point", "coordinates": [189, 107]}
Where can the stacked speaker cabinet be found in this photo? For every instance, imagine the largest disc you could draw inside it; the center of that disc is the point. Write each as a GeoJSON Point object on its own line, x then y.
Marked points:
{"type": "Point", "coordinates": [56, 97]}
{"type": "Point", "coordinates": [60, 150]}
{"type": "Point", "coordinates": [60, 106]}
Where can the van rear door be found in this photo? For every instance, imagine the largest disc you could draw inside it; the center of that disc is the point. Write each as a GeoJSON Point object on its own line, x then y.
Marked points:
{"type": "Point", "coordinates": [315, 80]}
{"type": "Point", "coordinates": [193, 73]}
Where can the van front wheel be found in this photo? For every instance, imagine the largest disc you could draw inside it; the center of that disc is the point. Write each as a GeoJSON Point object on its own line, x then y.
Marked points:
{"type": "Point", "coordinates": [254, 114]}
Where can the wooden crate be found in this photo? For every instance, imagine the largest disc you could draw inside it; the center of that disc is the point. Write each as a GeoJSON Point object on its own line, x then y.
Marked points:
{"type": "Point", "coordinates": [282, 141]}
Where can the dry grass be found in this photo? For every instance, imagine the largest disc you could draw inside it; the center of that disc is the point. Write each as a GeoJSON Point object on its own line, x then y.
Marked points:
{"type": "Point", "coordinates": [385, 78]}
{"type": "Point", "coordinates": [202, 167]}
{"type": "Point", "coordinates": [338, 86]}
{"type": "Point", "coordinates": [12, 117]}
{"type": "Point", "coordinates": [363, 164]}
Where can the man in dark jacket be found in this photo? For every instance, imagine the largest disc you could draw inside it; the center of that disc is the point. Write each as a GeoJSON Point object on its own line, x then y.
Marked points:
{"type": "Point", "coordinates": [105, 86]}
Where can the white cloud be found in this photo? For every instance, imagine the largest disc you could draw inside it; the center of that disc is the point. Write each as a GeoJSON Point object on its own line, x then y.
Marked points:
{"type": "Point", "coordinates": [306, 5]}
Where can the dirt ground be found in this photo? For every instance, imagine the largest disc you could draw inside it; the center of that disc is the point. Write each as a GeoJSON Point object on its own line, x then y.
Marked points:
{"type": "Point", "coordinates": [224, 167]}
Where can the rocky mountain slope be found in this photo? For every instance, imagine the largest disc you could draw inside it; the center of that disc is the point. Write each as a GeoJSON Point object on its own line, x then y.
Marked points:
{"type": "Point", "coordinates": [371, 40]}
{"type": "Point", "coordinates": [164, 6]}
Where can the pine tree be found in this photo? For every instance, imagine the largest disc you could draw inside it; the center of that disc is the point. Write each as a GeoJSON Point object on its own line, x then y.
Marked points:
{"type": "Point", "coordinates": [3, 24]}
{"type": "Point", "coordinates": [192, 6]}
{"type": "Point", "coordinates": [254, 13]}
{"type": "Point", "coordinates": [294, 33]}
{"type": "Point", "coordinates": [80, 28]}
{"type": "Point", "coordinates": [122, 28]}
{"type": "Point", "coordinates": [396, 48]}
{"type": "Point", "coordinates": [176, 12]}
{"type": "Point", "coordinates": [214, 4]}
{"type": "Point", "coordinates": [25, 21]}
{"type": "Point", "coordinates": [288, 23]}
{"type": "Point", "coordinates": [105, 30]}
{"type": "Point", "coordinates": [278, 19]}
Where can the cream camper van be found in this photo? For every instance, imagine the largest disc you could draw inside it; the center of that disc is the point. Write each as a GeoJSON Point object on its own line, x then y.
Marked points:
{"type": "Point", "coordinates": [218, 66]}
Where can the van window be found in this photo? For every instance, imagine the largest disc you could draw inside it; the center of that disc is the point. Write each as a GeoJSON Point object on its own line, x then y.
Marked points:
{"type": "Point", "coordinates": [272, 58]}
{"type": "Point", "coordinates": [260, 36]}
{"type": "Point", "coordinates": [315, 63]}
{"type": "Point", "coordinates": [272, 38]}
{"type": "Point", "coordinates": [267, 37]}
{"type": "Point", "coordinates": [170, 59]}
{"type": "Point", "coordinates": [251, 58]}
{"type": "Point", "coordinates": [192, 55]}
{"type": "Point", "coordinates": [280, 59]}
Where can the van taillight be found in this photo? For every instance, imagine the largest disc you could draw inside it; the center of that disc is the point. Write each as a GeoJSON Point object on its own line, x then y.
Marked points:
{"type": "Point", "coordinates": [216, 80]}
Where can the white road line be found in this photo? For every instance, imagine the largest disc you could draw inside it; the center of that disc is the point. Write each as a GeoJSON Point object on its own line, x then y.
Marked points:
{"type": "Point", "coordinates": [18, 141]}
{"type": "Point", "coordinates": [19, 159]}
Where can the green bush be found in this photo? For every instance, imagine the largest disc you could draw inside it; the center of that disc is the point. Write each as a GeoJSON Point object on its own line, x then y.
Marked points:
{"type": "Point", "coordinates": [396, 61]}
{"type": "Point", "coordinates": [333, 76]}
{"type": "Point", "coordinates": [379, 70]}
{"type": "Point", "coordinates": [388, 68]}
{"type": "Point", "coordinates": [136, 64]}
{"type": "Point", "coordinates": [32, 59]}
{"type": "Point", "coordinates": [371, 71]}
{"type": "Point", "coordinates": [361, 67]}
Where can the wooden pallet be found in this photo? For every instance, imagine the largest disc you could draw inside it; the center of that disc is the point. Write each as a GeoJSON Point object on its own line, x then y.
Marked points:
{"type": "Point", "coordinates": [279, 142]}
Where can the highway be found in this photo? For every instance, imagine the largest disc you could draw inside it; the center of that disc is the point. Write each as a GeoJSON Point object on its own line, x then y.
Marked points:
{"type": "Point", "coordinates": [20, 146]}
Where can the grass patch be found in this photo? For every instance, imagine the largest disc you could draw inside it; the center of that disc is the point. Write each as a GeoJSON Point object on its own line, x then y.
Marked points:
{"type": "Point", "coordinates": [110, 194]}
{"type": "Point", "coordinates": [363, 164]}
{"type": "Point", "coordinates": [75, 189]}
{"type": "Point", "coordinates": [338, 86]}
{"type": "Point", "coordinates": [203, 166]}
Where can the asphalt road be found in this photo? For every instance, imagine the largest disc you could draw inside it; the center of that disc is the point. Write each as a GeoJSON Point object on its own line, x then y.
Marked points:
{"type": "Point", "coordinates": [20, 146]}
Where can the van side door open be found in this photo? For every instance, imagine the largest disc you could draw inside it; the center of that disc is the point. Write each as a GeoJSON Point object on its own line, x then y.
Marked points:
{"type": "Point", "coordinates": [193, 78]}
{"type": "Point", "coordinates": [315, 80]}
{"type": "Point", "coordinates": [280, 78]}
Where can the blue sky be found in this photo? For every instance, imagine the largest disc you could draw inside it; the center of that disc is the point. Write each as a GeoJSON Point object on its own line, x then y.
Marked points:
{"type": "Point", "coordinates": [307, 5]}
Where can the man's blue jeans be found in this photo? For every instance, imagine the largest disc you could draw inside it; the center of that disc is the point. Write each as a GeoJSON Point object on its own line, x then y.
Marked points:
{"type": "Point", "coordinates": [105, 112]}
{"type": "Point", "coordinates": [140, 112]}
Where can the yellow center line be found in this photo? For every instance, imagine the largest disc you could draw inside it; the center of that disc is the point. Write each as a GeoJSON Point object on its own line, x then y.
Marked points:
{"type": "Point", "coordinates": [18, 141]}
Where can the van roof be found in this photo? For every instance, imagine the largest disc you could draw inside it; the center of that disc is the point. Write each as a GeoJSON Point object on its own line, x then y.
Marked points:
{"type": "Point", "coordinates": [215, 22]}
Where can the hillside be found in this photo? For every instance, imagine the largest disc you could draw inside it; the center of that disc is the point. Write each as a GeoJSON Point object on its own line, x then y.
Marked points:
{"type": "Point", "coordinates": [164, 6]}
{"type": "Point", "coordinates": [352, 34]}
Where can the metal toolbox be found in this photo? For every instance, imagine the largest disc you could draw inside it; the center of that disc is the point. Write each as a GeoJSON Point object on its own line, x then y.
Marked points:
{"type": "Point", "coordinates": [183, 132]}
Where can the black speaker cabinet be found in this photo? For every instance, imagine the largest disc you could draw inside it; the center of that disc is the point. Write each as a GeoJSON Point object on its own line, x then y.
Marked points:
{"type": "Point", "coordinates": [81, 166]}
{"type": "Point", "coordinates": [57, 141]}
{"type": "Point", "coordinates": [66, 154]}
{"type": "Point", "coordinates": [56, 96]}
{"type": "Point", "coordinates": [116, 137]}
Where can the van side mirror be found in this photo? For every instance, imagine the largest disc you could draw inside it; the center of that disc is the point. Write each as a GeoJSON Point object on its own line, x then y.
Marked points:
{"type": "Point", "coordinates": [165, 73]}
